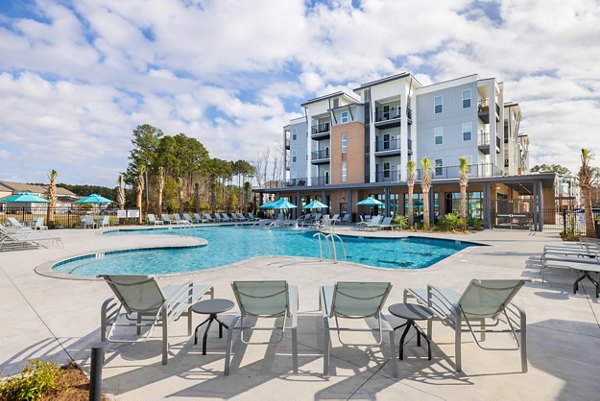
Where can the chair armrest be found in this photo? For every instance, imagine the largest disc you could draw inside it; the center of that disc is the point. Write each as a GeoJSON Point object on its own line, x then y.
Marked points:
{"type": "Point", "coordinates": [325, 299]}
{"type": "Point", "coordinates": [294, 302]}
{"type": "Point", "coordinates": [439, 302]}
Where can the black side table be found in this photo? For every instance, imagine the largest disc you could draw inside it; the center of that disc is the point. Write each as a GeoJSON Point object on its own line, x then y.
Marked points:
{"type": "Point", "coordinates": [412, 313]}
{"type": "Point", "coordinates": [211, 307]}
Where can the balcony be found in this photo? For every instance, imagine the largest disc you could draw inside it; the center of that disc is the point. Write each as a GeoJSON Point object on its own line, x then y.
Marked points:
{"type": "Point", "coordinates": [390, 118]}
{"type": "Point", "coordinates": [483, 143]}
{"type": "Point", "coordinates": [296, 182]}
{"type": "Point", "coordinates": [287, 143]}
{"type": "Point", "coordinates": [320, 156]}
{"type": "Point", "coordinates": [483, 111]}
{"type": "Point", "coordinates": [320, 131]}
{"type": "Point", "coordinates": [387, 176]}
{"type": "Point", "coordinates": [319, 181]}
{"type": "Point", "coordinates": [391, 147]}
{"type": "Point", "coordinates": [452, 172]}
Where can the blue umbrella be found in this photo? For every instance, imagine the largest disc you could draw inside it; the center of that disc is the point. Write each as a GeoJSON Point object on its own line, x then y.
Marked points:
{"type": "Point", "coordinates": [268, 205]}
{"type": "Point", "coordinates": [94, 199]}
{"type": "Point", "coordinates": [316, 205]}
{"type": "Point", "coordinates": [24, 197]}
{"type": "Point", "coordinates": [284, 204]}
{"type": "Point", "coordinates": [370, 201]}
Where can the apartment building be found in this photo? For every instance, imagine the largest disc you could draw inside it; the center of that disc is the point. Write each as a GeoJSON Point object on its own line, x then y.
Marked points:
{"type": "Point", "coordinates": [349, 146]}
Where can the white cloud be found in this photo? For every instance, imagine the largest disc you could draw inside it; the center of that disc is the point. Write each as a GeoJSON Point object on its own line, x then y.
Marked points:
{"type": "Point", "coordinates": [77, 77]}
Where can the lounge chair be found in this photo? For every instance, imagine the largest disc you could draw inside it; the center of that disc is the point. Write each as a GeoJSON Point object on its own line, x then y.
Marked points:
{"type": "Point", "coordinates": [25, 239]}
{"type": "Point", "coordinates": [355, 300]}
{"type": "Point", "coordinates": [225, 217]}
{"type": "Point", "coordinates": [265, 299]}
{"type": "Point", "coordinates": [167, 219]}
{"type": "Point", "coordinates": [347, 218]}
{"type": "Point", "coordinates": [240, 217]}
{"type": "Point", "coordinates": [198, 219]}
{"type": "Point", "coordinates": [335, 219]}
{"type": "Point", "coordinates": [251, 217]}
{"type": "Point", "coordinates": [387, 223]}
{"type": "Point", "coordinates": [186, 217]}
{"type": "Point", "coordinates": [208, 218]}
{"type": "Point", "coordinates": [152, 220]}
{"type": "Point", "coordinates": [104, 221]}
{"type": "Point", "coordinates": [179, 220]}
{"type": "Point", "coordinates": [480, 302]}
{"type": "Point", "coordinates": [88, 221]}
{"type": "Point", "coordinates": [141, 303]}
{"type": "Point", "coordinates": [38, 224]}
{"type": "Point", "coordinates": [218, 217]}
{"type": "Point", "coordinates": [15, 226]}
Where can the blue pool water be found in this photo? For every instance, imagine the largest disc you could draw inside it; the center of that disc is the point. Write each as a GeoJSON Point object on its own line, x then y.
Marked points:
{"type": "Point", "coordinates": [230, 244]}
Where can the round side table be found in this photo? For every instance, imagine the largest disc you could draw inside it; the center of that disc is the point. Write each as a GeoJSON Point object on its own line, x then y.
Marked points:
{"type": "Point", "coordinates": [210, 307]}
{"type": "Point", "coordinates": [412, 313]}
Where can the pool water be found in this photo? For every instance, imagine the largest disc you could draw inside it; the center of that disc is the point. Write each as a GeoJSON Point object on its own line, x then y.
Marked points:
{"type": "Point", "coordinates": [230, 244]}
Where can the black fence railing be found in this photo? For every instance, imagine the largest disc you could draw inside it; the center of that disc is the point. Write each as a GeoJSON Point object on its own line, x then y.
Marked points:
{"type": "Point", "coordinates": [320, 154]}
{"type": "Point", "coordinates": [389, 145]}
{"type": "Point", "coordinates": [571, 221]}
{"type": "Point", "coordinates": [320, 180]}
{"type": "Point", "coordinates": [317, 129]}
{"type": "Point", "coordinates": [296, 182]}
{"type": "Point", "coordinates": [388, 176]}
{"type": "Point", "coordinates": [68, 216]}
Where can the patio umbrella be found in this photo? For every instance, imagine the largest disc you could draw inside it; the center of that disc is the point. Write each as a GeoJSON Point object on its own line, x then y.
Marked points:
{"type": "Point", "coordinates": [94, 199]}
{"type": "Point", "coordinates": [268, 205]}
{"type": "Point", "coordinates": [370, 201]}
{"type": "Point", "coordinates": [24, 197]}
{"type": "Point", "coordinates": [283, 204]}
{"type": "Point", "coordinates": [316, 205]}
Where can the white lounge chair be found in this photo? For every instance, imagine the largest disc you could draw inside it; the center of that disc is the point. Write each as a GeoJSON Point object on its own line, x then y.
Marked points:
{"type": "Point", "coordinates": [481, 307]}
{"type": "Point", "coordinates": [179, 220]}
{"type": "Point", "coordinates": [198, 219]}
{"type": "Point", "coordinates": [167, 219]}
{"type": "Point", "coordinates": [355, 300]}
{"type": "Point", "coordinates": [141, 303]}
{"type": "Point", "coordinates": [38, 224]}
{"type": "Point", "coordinates": [265, 299]}
{"type": "Point", "coordinates": [88, 221]}
{"type": "Point", "coordinates": [186, 217]}
{"type": "Point", "coordinates": [104, 221]}
{"type": "Point", "coordinates": [152, 220]}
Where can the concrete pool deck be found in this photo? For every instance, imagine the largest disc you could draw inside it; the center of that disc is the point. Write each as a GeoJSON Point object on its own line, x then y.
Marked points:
{"type": "Point", "coordinates": [60, 318]}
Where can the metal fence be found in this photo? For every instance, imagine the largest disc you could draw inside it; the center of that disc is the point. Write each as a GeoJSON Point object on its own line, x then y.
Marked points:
{"type": "Point", "coordinates": [65, 217]}
{"type": "Point", "coordinates": [570, 221]}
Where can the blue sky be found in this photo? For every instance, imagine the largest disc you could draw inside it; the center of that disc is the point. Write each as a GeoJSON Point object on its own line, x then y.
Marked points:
{"type": "Point", "coordinates": [77, 77]}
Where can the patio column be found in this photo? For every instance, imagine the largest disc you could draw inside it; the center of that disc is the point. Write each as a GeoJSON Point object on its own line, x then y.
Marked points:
{"type": "Point", "coordinates": [386, 192]}
{"type": "Point", "coordinates": [487, 207]}
{"type": "Point", "coordinates": [537, 206]}
{"type": "Point", "coordinates": [324, 198]}
{"type": "Point", "coordinates": [350, 203]}
{"type": "Point", "coordinates": [298, 204]}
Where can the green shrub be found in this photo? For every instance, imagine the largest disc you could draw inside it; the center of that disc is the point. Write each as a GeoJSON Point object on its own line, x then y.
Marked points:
{"type": "Point", "coordinates": [401, 221]}
{"type": "Point", "coordinates": [450, 221]}
{"type": "Point", "coordinates": [477, 224]}
{"type": "Point", "coordinates": [35, 380]}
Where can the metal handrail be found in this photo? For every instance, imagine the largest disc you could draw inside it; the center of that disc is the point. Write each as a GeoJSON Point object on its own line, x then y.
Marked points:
{"type": "Point", "coordinates": [333, 237]}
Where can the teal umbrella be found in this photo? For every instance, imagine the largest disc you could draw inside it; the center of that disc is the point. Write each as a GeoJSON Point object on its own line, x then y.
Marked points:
{"type": "Point", "coordinates": [24, 197]}
{"type": "Point", "coordinates": [268, 205]}
{"type": "Point", "coordinates": [284, 204]}
{"type": "Point", "coordinates": [316, 205]}
{"type": "Point", "coordinates": [370, 201]}
{"type": "Point", "coordinates": [94, 199]}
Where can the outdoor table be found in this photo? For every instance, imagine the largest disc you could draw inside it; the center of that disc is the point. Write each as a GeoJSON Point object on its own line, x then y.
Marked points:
{"type": "Point", "coordinates": [210, 307]}
{"type": "Point", "coordinates": [586, 269]}
{"type": "Point", "coordinates": [411, 313]}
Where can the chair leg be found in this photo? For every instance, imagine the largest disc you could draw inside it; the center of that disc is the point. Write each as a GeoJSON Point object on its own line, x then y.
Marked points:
{"type": "Point", "coordinates": [295, 350]}
{"type": "Point", "coordinates": [228, 345]}
{"type": "Point", "coordinates": [523, 342]}
{"type": "Point", "coordinates": [326, 346]}
{"type": "Point", "coordinates": [393, 359]}
{"type": "Point", "coordinates": [482, 327]}
{"type": "Point", "coordinates": [165, 340]}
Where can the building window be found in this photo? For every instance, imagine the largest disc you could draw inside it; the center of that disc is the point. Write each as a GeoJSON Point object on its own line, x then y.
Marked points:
{"type": "Point", "coordinates": [386, 169]}
{"type": "Point", "coordinates": [344, 171]}
{"type": "Point", "coordinates": [344, 143]}
{"type": "Point", "coordinates": [438, 135]}
{"type": "Point", "coordinates": [466, 131]}
{"type": "Point", "coordinates": [466, 98]}
{"type": "Point", "coordinates": [344, 117]}
{"type": "Point", "coordinates": [293, 156]}
{"type": "Point", "coordinates": [293, 134]}
{"type": "Point", "coordinates": [439, 167]}
{"type": "Point", "coordinates": [437, 102]}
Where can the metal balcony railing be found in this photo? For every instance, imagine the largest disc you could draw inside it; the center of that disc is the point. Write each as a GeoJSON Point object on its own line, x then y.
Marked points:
{"type": "Point", "coordinates": [320, 154]}
{"type": "Point", "coordinates": [317, 129]}
{"type": "Point", "coordinates": [390, 144]}
{"type": "Point", "coordinates": [387, 176]}
{"type": "Point", "coordinates": [296, 182]}
{"type": "Point", "coordinates": [319, 180]}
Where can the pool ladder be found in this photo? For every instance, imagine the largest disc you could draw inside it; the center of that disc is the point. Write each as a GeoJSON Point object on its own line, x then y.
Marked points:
{"type": "Point", "coordinates": [186, 230]}
{"type": "Point", "coordinates": [330, 240]}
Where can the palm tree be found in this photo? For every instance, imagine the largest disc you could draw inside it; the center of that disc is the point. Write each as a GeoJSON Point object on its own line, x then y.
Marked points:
{"type": "Point", "coordinates": [586, 179]}
{"type": "Point", "coordinates": [425, 187]}
{"type": "Point", "coordinates": [463, 170]}
{"type": "Point", "coordinates": [410, 181]}
{"type": "Point", "coordinates": [161, 188]}
{"type": "Point", "coordinates": [121, 192]}
{"type": "Point", "coordinates": [51, 196]}
{"type": "Point", "coordinates": [141, 183]}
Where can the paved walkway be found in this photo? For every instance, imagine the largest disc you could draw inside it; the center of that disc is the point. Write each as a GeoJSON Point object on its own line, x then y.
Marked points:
{"type": "Point", "coordinates": [49, 317]}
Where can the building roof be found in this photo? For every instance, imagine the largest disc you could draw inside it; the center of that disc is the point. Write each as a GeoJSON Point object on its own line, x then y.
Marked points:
{"type": "Point", "coordinates": [17, 187]}
{"type": "Point", "coordinates": [386, 79]}
{"type": "Point", "coordinates": [329, 96]}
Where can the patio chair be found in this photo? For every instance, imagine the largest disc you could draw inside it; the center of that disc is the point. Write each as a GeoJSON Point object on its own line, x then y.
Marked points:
{"type": "Point", "coordinates": [167, 219]}
{"type": "Point", "coordinates": [38, 224]}
{"type": "Point", "coordinates": [152, 220]}
{"type": "Point", "coordinates": [10, 240]}
{"type": "Point", "coordinates": [225, 217]}
{"type": "Point", "coordinates": [88, 221]}
{"type": "Point", "coordinates": [218, 217]}
{"type": "Point", "coordinates": [481, 303]}
{"type": "Point", "coordinates": [346, 219]}
{"type": "Point", "coordinates": [198, 219]}
{"type": "Point", "coordinates": [265, 299]}
{"type": "Point", "coordinates": [240, 217]}
{"type": "Point", "coordinates": [186, 217]}
{"type": "Point", "coordinates": [386, 223]}
{"type": "Point", "coordinates": [208, 218]}
{"type": "Point", "coordinates": [179, 220]}
{"type": "Point", "coordinates": [141, 303]}
{"type": "Point", "coordinates": [104, 221]}
{"type": "Point", "coordinates": [251, 217]}
{"type": "Point", "coordinates": [355, 300]}
{"type": "Point", "coordinates": [15, 225]}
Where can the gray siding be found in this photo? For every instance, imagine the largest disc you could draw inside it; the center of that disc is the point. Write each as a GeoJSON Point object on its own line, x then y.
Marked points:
{"type": "Point", "coordinates": [298, 145]}
{"type": "Point", "coordinates": [451, 118]}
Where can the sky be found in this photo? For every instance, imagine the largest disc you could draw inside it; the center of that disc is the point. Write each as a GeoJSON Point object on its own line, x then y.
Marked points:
{"type": "Point", "coordinates": [77, 77]}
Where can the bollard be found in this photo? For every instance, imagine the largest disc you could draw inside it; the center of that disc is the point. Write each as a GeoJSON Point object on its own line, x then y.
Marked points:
{"type": "Point", "coordinates": [96, 372]}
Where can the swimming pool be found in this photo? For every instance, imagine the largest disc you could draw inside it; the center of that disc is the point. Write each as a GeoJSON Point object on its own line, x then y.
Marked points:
{"type": "Point", "coordinates": [230, 244]}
